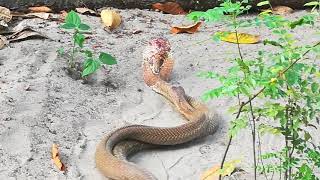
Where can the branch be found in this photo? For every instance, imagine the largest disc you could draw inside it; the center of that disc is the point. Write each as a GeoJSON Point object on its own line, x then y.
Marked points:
{"type": "Point", "coordinates": [256, 95]}
{"type": "Point", "coordinates": [281, 73]}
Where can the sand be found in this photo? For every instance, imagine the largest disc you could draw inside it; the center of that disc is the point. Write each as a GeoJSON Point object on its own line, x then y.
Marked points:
{"type": "Point", "coordinates": [41, 105]}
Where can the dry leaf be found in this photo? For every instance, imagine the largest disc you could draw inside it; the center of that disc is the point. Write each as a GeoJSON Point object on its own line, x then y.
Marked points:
{"type": "Point", "coordinates": [40, 15]}
{"type": "Point", "coordinates": [282, 10]}
{"type": "Point", "coordinates": [40, 9]}
{"type": "Point", "coordinates": [211, 174]}
{"type": "Point", "coordinates": [25, 33]}
{"type": "Point", "coordinates": [87, 11]}
{"type": "Point", "coordinates": [56, 158]}
{"type": "Point", "coordinates": [5, 16]}
{"type": "Point", "coordinates": [110, 18]}
{"type": "Point", "coordinates": [169, 7]}
{"type": "Point", "coordinates": [243, 38]}
{"type": "Point", "coordinates": [186, 29]}
{"type": "Point", "coordinates": [214, 172]}
{"type": "Point", "coordinates": [3, 41]}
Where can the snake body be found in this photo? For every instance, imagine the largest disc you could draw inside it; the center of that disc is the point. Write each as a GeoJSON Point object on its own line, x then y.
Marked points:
{"type": "Point", "coordinates": [112, 151]}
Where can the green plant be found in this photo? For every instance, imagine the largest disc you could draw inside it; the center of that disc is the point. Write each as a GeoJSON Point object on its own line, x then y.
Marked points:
{"type": "Point", "coordinates": [285, 81]}
{"type": "Point", "coordinates": [91, 63]}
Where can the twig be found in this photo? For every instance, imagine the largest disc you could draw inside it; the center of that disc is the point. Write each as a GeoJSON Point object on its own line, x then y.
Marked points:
{"type": "Point", "coordinates": [174, 164]}
{"type": "Point", "coordinates": [164, 167]}
{"type": "Point", "coordinates": [254, 141]}
{"type": "Point", "coordinates": [229, 143]}
{"type": "Point", "coordinates": [225, 155]}
{"type": "Point", "coordinates": [260, 153]}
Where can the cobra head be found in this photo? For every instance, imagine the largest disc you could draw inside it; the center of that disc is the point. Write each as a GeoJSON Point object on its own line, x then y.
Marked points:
{"type": "Point", "coordinates": [155, 53]}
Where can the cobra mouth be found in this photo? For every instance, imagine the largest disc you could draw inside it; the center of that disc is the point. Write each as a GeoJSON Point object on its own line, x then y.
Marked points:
{"type": "Point", "coordinates": [157, 64]}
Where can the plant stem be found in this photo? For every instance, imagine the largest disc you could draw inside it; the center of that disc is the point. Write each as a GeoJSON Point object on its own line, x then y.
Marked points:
{"type": "Point", "coordinates": [253, 131]}
{"type": "Point", "coordinates": [229, 143]}
{"type": "Point", "coordinates": [260, 153]}
{"type": "Point", "coordinates": [239, 50]}
{"type": "Point", "coordinates": [225, 155]}
{"type": "Point", "coordinates": [287, 141]}
{"type": "Point", "coordinates": [71, 62]}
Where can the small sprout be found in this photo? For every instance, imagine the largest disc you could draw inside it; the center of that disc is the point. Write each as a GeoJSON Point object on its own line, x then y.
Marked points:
{"type": "Point", "coordinates": [91, 64]}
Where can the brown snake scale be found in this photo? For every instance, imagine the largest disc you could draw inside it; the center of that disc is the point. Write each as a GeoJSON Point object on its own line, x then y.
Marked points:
{"type": "Point", "coordinates": [113, 150]}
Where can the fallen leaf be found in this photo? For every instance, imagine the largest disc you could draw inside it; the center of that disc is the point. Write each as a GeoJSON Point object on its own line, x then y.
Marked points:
{"type": "Point", "coordinates": [169, 7]}
{"type": "Point", "coordinates": [243, 38]}
{"type": "Point", "coordinates": [282, 10]}
{"type": "Point", "coordinates": [3, 41]}
{"type": "Point", "coordinates": [110, 18]}
{"type": "Point", "coordinates": [214, 172]}
{"type": "Point", "coordinates": [40, 15]}
{"type": "Point", "coordinates": [5, 16]}
{"type": "Point", "coordinates": [56, 158]}
{"type": "Point", "coordinates": [186, 29]}
{"type": "Point", "coordinates": [40, 9]}
{"type": "Point", "coordinates": [211, 174]}
{"type": "Point", "coordinates": [87, 11]}
{"type": "Point", "coordinates": [25, 33]}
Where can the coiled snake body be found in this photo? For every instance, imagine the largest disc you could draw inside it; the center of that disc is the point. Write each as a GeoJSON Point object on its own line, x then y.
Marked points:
{"type": "Point", "coordinates": [113, 149]}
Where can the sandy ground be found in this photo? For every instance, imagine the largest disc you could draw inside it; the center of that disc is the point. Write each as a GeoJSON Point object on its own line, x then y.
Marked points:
{"type": "Point", "coordinates": [41, 105]}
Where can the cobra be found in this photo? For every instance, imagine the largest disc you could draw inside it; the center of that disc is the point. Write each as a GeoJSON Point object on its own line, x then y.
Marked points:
{"type": "Point", "coordinates": [114, 148]}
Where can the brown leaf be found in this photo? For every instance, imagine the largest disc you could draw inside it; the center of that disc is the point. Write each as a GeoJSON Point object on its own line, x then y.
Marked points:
{"type": "Point", "coordinates": [169, 7]}
{"type": "Point", "coordinates": [186, 29]}
{"type": "Point", "coordinates": [56, 158]}
{"type": "Point", "coordinates": [5, 16]}
{"type": "Point", "coordinates": [87, 11]}
{"type": "Point", "coordinates": [282, 10]}
{"type": "Point", "coordinates": [40, 15]}
{"type": "Point", "coordinates": [40, 9]}
{"type": "Point", "coordinates": [110, 18]}
{"type": "Point", "coordinates": [25, 33]}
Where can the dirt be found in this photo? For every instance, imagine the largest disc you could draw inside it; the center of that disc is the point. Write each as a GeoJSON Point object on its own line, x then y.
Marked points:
{"type": "Point", "coordinates": [41, 104]}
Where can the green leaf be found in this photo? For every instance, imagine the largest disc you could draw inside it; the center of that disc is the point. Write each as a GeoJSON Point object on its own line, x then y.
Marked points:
{"type": "Point", "coordinates": [61, 51]}
{"type": "Point", "coordinates": [79, 39]}
{"type": "Point", "coordinates": [83, 27]}
{"type": "Point", "coordinates": [313, 3]}
{"type": "Point", "coordinates": [208, 75]}
{"type": "Point", "coordinates": [292, 77]}
{"type": "Point", "coordinates": [263, 129]}
{"type": "Point", "coordinates": [237, 125]}
{"type": "Point", "coordinates": [107, 59]}
{"type": "Point", "coordinates": [263, 3]}
{"type": "Point", "coordinates": [273, 43]}
{"type": "Point", "coordinates": [307, 136]}
{"type": "Point", "coordinates": [88, 53]}
{"type": "Point", "coordinates": [68, 26]}
{"type": "Point", "coordinates": [314, 87]}
{"type": "Point", "coordinates": [90, 66]}
{"type": "Point", "coordinates": [73, 18]}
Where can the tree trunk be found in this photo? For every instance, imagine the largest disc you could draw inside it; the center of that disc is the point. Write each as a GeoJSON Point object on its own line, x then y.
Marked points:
{"type": "Point", "coordinates": [142, 4]}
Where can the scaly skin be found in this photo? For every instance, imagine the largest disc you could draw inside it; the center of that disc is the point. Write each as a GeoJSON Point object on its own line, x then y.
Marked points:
{"type": "Point", "coordinates": [113, 149]}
